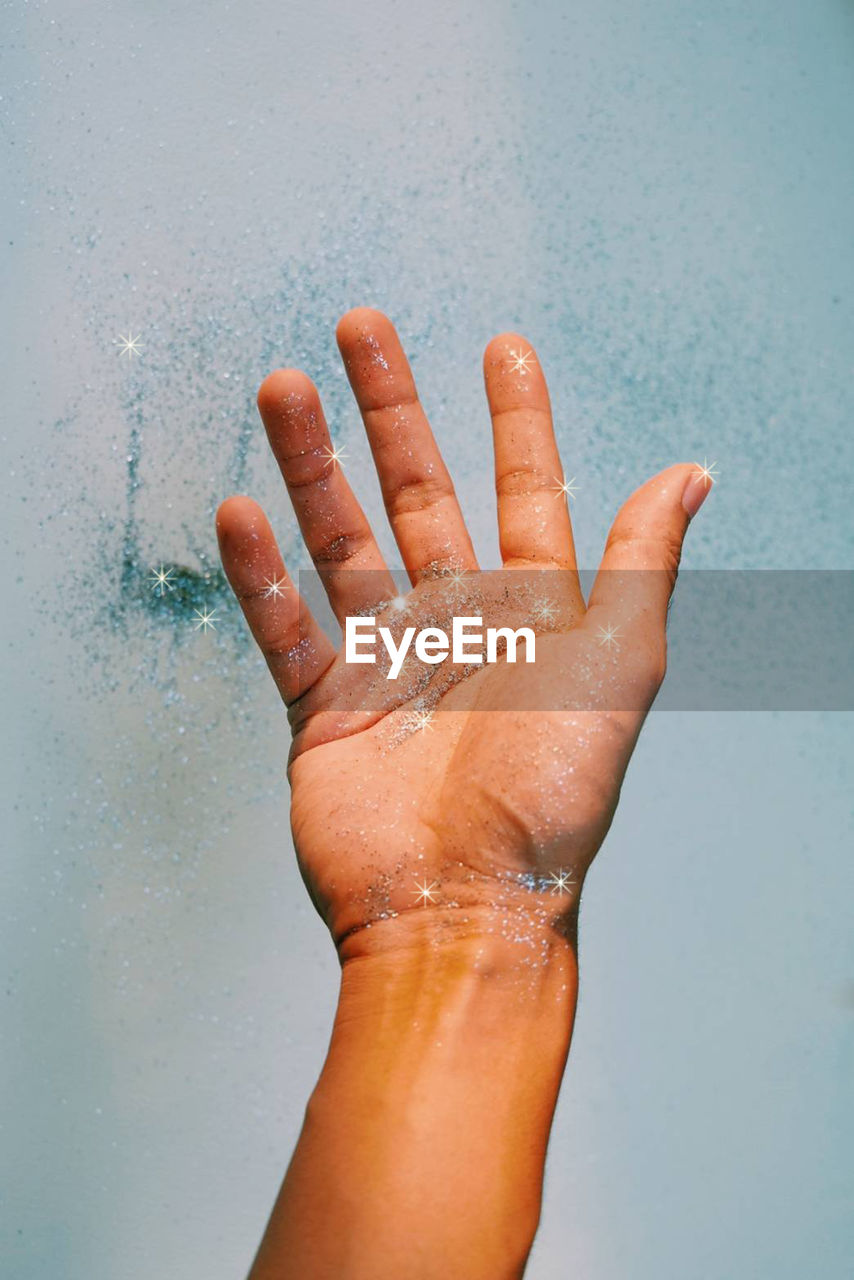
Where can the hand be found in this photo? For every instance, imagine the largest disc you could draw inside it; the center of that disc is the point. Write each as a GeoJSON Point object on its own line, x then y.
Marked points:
{"type": "Point", "coordinates": [444, 821]}
{"type": "Point", "coordinates": [479, 807]}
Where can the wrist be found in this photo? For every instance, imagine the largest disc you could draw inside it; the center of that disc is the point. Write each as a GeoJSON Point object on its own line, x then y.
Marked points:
{"type": "Point", "coordinates": [438, 1091]}
{"type": "Point", "coordinates": [436, 983]}
{"type": "Point", "coordinates": [425, 1137]}
{"type": "Point", "coordinates": [510, 920]}
{"type": "Point", "coordinates": [519, 958]}
{"type": "Point", "coordinates": [447, 980]}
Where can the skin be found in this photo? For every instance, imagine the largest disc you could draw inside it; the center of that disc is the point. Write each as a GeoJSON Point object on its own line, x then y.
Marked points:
{"type": "Point", "coordinates": [444, 822]}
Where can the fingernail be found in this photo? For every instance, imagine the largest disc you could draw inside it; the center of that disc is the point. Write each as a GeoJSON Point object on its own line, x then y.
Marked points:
{"type": "Point", "coordinates": [696, 491]}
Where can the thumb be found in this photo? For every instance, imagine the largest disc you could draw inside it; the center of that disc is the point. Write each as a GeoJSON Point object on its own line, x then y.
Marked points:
{"type": "Point", "coordinates": [638, 570]}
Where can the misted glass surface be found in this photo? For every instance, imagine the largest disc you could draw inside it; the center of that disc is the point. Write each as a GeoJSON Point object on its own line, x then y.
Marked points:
{"type": "Point", "coordinates": [659, 196]}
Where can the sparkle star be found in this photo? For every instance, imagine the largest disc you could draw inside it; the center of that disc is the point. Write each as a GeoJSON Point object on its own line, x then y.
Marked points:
{"type": "Point", "coordinates": [454, 574]}
{"type": "Point", "coordinates": [422, 720]}
{"type": "Point", "coordinates": [565, 487]}
{"type": "Point", "coordinates": [206, 619]}
{"type": "Point", "coordinates": [457, 579]}
{"type": "Point", "coordinates": [159, 579]}
{"type": "Point", "coordinates": [275, 588]}
{"type": "Point", "coordinates": [335, 455]}
{"type": "Point", "coordinates": [544, 612]}
{"type": "Point", "coordinates": [521, 361]}
{"type": "Point", "coordinates": [561, 881]}
{"type": "Point", "coordinates": [130, 345]}
{"type": "Point", "coordinates": [425, 892]}
{"type": "Point", "coordinates": [608, 636]}
{"type": "Point", "coordinates": [706, 471]}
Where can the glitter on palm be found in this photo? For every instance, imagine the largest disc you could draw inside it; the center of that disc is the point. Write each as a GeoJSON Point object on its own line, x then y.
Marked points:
{"type": "Point", "coordinates": [608, 636]}
{"type": "Point", "coordinates": [425, 893]}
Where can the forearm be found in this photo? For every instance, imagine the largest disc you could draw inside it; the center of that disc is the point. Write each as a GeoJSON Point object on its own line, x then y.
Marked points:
{"type": "Point", "coordinates": [424, 1142]}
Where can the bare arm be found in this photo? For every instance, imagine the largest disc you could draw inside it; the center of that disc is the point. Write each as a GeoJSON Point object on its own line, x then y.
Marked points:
{"type": "Point", "coordinates": [424, 1142]}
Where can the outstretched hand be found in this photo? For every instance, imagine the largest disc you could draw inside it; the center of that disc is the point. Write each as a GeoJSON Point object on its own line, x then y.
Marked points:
{"type": "Point", "coordinates": [484, 788]}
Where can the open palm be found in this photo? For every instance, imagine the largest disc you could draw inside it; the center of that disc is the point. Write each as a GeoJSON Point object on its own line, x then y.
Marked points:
{"type": "Point", "coordinates": [475, 789]}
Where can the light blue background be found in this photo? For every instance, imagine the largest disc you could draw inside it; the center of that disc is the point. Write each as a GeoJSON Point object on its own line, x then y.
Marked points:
{"type": "Point", "coordinates": [660, 196]}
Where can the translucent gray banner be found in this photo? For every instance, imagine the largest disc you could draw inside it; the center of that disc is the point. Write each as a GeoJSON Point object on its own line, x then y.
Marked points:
{"type": "Point", "coordinates": [737, 640]}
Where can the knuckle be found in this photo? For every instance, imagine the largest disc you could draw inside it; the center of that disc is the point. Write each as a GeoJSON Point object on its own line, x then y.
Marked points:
{"type": "Point", "coordinates": [336, 550]}
{"type": "Point", "coordinates": [280, 644]}
{"type": "Point", "coordinates": [522, 482]}
{"type": "Point", "coordinates": [418, 495]}
{"type": "Point", "coordinates": [666, 545]}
